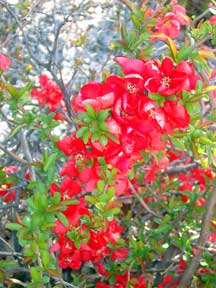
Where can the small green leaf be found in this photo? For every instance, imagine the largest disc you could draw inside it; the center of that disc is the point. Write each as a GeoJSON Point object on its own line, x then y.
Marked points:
{"type": "Point", "coordinates": [36, 274]}
{"type": "Point", "coordinates": [103, 115]}
{"type": "Point", "coordinates": [17, 129]}
{"type": "Point", "coordinates": [111, 212]}
{"type": "Point", "coordinates": [91, 199]}
{"type": "Point", "coordinates": [7, 263]}
{"type": "Point", "coordinates": [63, 219]}
{"type": "Point", "coordinates": [100, 185]}
{"type": "Point", "coordinates": [183, 53]}
{"type": "Point", "coordinates": [45, 257]}
{"type": "Point", "coordinates": [81, 131]}
{"type": "Point", "coordinates": [56, 198]}
{"type": "Point", "coordinates": [86, 136]}
{"type": "Point", "coordinates": [91, 112]}
{"type": "Point", "coordinates": [95, 136]}
{"type": "Point", "coordinates": [50, 161]}
{"type": "Point", "coordinates": [178, 143]}
{"type": "Point", "coordinates": [103, 140]}
{"type": "Point", "coordinates": [155, 96]}
{"type": "Point", "coordinates": [13, 226]}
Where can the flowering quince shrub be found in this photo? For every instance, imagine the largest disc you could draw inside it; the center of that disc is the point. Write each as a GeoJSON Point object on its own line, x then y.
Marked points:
{"type": "Point", "coordinates": [133, 204]}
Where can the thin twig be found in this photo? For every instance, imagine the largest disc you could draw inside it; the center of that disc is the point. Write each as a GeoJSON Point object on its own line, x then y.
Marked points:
{"type": "Point", "coordinates": [27, 153]}
{"type": "Point", "coordinates": [145, 206]}
{"type": "Point", "coordinates": [206, 223]}
{"type": "Point", "coordinates": [3, 253]}
{"type": "Point", "coordinates": [63, 282]}
{"type": "Point", "coordinates": [13, 155]}
{"type": "Point", "coordinates": [129, 4]}
{"type": "Point", "coordinates": [173, 170]}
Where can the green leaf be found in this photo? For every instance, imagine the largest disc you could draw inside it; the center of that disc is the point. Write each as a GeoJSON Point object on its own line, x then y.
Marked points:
{"type": "Point", "coordinates": [86, 136]}
{"type": "Point", "coordinates": [110, 192]}
{"type": "Point", "coordinates": [103, 115]}
{"type": "Point", "coordinates": [17, 129]}
{"type": "Point", "coordinates": [50, 161]}
{"type": "Point", "coordinates": [95, 136]}
{"type": "Point", "coordinates": [91, 199]}
{"type": "Point", "coordinates": [100, 185]}
{"type": "Point", "coordinates": [36, 274]}
{"type": "Point", "coordinates": [183, 53]}
{"type": "Point", "coordinates": [45, 257]}
{"type": "Point", "coordinates": [155, 96]}
{"type": "Point", "coordinates": [7, 263]}
{"type": "Point", "coordinates": [91, 112]}
{"type": "Point", "coordinates": [46, 279]}
{"type": "Point", "coordinates": [63, 219]}
{"type": "Point", "coordinates": [13, 226]}
{"type": "Point", "coordinates": [204, 140]}
{"type": "Point", "coordinates": [178, 143]}
{"type": "Point", "coordinates": [81, 131]}
{"type": "Point", "coordinates": [104, 127]}
{"type": "Point", "coordinates": [56, 198]}
{"type": "Point", "coordinates": [70, 202]}
{"type": "Point", "coordinates": [111, 212]}
{"type": "Point", "coordinates": [103, 140]}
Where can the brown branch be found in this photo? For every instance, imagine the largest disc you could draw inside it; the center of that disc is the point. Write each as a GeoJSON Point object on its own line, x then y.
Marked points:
{"type": "Point", "coordinates": [180, 169]}
{"type": "Point", "coordinates": [27, 153]}
{"type": "Point", "coordinates": [144, 205]}
{"type": "Point", "coordinates": [130, 5]}
{"type": "Point", "coordinates": [206, 223]}
{"type": "Point", "coordinates": [13, 155]}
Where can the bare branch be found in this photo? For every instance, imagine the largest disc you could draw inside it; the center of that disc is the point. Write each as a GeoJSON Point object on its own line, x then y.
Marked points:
{"type": "Point", "coordinates": [27, 153]}
{"type": "Point", "coordinates": [145, 206]}
{"type": "Point", "coordinates": [13, 155]}
{"type": "Point", "coordinates": [206, 222]}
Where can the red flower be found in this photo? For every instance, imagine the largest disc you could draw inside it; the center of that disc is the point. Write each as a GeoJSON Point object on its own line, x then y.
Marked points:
{"type": "Point", "coordinates": [71, 145]}
{"type": "Point", "coordinates": [212, 20]}
{"type": "Point", "coordinates": [121, 253]}
{"type": "Point", "coordinates": [167, 280]}
{"type": "Point", "coordinates": [168, 25]}
{"type": "Point", "coordinates": [212, 237]}
{"type": "Point", "coordinates": [102, 285]}
{"type": "Point", "coordinates": [99, 96]}
{"type": "Point", "coordinates": [49, 94]}
{"type": "Point", "coordinates": [172, 79]}
{"type": "Point", "coordinates": [4, 62]}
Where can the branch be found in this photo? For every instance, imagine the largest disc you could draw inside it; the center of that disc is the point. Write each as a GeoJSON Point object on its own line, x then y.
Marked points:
{"type": "Point", "coordinates": [206, 223]}
{"type": "Point", "coordinates": [13, 155]}
{"type": "Point", "coordinates": [128, 3]}
{"type": "Point", "coordinates": [27, 153]}
{"type": "Point", "coordinates": [173, 170]}
{"type": "Point", "coordinates": [145, 206]}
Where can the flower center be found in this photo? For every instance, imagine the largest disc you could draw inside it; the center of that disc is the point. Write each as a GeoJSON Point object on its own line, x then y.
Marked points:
{"type": "Point", "coordinates": [166, 81]}
{"type": "Point", "coordinates": [123, 114]}
{"type": "Point", "coordinates": [79, 157]}
{"type": "Point", "coordinates": [152, 114]}
{"type": "Point", "coordinates": [131, 88]}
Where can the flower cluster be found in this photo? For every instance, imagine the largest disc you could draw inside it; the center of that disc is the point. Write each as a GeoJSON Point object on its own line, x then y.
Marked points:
{"type": "Point", "coordinates": [169, 23]}
{"type": "Point", "coordinates": [49, 94]}
{"type": "Point", "coordinates": [7, 191]}
{"type": "Point", "coordinates": [136, 122]}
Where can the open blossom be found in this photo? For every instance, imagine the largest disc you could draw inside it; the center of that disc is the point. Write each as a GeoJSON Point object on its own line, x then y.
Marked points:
{"type": "Point", "coordinates": [212, 20]}
{"type": "Point", "coordinates": [49, 94]}
{"type": "Point", "coordinates": [4, 62]}
{"type": "Point", "coordinates": [170, 23]}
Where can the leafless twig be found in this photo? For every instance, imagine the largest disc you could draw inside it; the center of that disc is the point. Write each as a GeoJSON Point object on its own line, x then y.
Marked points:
{"type": "Point", "coordinates": [145, 206]}
{"type": "Point", "coordinates": [206, 223]}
